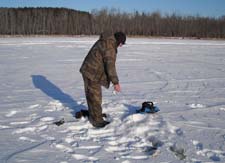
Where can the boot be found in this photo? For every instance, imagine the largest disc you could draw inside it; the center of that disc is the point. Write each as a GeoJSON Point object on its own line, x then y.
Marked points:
{"type": "Point", "coordinates": [101, 124]}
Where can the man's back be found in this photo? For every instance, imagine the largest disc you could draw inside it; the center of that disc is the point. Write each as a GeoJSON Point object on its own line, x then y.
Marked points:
{"type": "Point", "coordinates": [99, 64]}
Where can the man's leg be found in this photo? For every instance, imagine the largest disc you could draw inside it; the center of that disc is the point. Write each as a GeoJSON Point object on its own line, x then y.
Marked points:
{"type": "Point", "coordinates": [94, 100]}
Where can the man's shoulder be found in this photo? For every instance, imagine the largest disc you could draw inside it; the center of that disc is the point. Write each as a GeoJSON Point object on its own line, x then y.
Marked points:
{"type": "Point", "coordinates": [110, 43]}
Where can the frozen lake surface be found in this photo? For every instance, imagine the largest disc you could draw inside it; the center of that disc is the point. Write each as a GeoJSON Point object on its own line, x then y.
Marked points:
{"type": "Point", "coordinates": [40, 83]}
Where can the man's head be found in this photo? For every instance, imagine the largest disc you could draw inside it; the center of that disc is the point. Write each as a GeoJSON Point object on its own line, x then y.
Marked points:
{"type": "Point", "coordinates": [120, 38]}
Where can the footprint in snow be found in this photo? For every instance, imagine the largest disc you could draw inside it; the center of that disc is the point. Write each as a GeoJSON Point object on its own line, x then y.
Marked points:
{"type": "Point", "coordinates": [214, 155]}
{"type": "Point", "coordinates": [72, 146]}
{"type": "Point", "coordinates": [197, 144]}
{"type": "Point", "coordinates": [33, 128]}
{"type": "Point", "coordinates": [178, 152]}
{"type": "Point", "coordinates": [174, 130]}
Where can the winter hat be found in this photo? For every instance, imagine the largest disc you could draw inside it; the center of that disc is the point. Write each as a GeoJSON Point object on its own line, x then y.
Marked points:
{"type": "Point", "coordinates": [120, 38]}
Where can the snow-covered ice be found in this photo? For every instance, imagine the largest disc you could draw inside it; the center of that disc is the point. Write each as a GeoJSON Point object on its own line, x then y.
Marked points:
{"type": "Point", "coordinates": [40, 83]}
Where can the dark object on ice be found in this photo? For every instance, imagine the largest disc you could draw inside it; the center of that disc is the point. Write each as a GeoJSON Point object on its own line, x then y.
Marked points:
{"type": "Point", "coordinates": [85, 113]}
{"type": "Point", "coordinates": [148, 107]}
{"type": "Point", "coordinates": [149, 150]}
{"type": "Point", "coordinates": [60, 122]}
{"type": "Point", "coordinates": [179, 152]}
{"type": "Point", "coordinates": [101, 125]}
{"type": "Point", "coordinates": [82, 113]}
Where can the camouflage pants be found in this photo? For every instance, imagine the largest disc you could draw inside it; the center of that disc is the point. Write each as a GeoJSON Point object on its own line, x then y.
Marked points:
{"type": "Point", "coordinates": [93, 94]}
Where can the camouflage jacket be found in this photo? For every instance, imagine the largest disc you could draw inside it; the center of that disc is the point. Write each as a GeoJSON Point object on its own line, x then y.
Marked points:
{"type": "Point", "coordinates": [99, 64]}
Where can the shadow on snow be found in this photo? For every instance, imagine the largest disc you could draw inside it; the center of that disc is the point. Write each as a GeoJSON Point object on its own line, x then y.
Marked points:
{"type": "Point", "coordinates": [56, 93]}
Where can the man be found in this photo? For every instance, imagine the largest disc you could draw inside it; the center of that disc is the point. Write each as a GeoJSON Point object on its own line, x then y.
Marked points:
{"type": "Point", "coordinates": [98, 69]}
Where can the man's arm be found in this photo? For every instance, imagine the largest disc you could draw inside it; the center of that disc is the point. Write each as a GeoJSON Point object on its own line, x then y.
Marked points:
{"type": "Point", "coordinates": [110, 65]}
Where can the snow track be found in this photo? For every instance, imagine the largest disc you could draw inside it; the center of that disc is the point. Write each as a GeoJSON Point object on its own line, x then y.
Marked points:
{"type": "Point", "coordinates": [7, 158]}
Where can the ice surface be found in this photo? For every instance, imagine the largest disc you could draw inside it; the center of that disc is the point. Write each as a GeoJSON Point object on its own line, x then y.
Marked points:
{"type": "Point", "coordinates": [40, 83]}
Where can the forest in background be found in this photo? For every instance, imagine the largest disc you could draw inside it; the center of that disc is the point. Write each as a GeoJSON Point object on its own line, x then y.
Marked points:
{"type": "Point", "coordinates": [63, 21]}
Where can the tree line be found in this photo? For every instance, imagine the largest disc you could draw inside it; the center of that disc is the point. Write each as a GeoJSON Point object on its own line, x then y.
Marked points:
{"type": "Point", "coordinates": [44, 21]}
{"type": "Point", "coordinates": [49, 21]}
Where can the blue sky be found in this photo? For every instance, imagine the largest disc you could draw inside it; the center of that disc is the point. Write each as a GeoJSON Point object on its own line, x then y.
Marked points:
{"type": "Point", "coordinates": [212, 8]}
